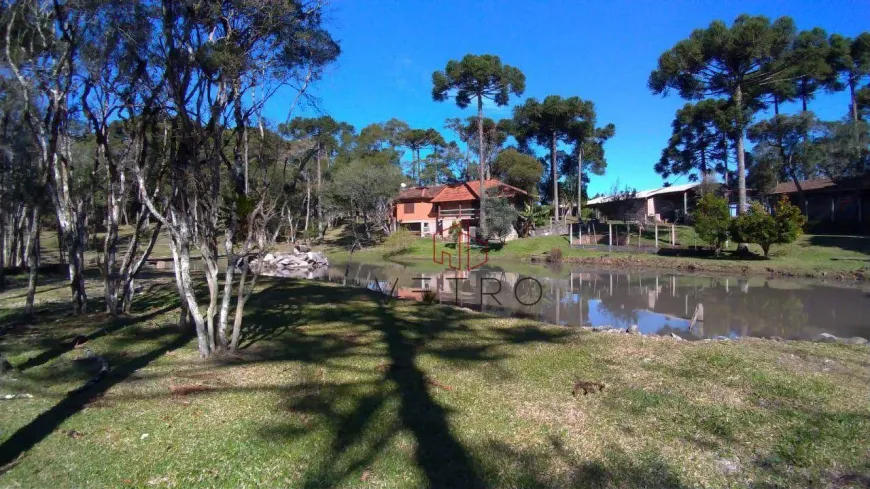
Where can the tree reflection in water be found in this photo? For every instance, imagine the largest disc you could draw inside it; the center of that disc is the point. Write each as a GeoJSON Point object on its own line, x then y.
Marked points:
{"type": "Point", "coordinates": [657, 303]}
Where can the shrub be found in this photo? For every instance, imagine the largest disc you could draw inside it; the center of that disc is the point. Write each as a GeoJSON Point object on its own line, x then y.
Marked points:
{"type": "Point", "coordinates": [759, 227]}
{"type": "Point", "coordinates": [555, 255]}
{"type": "Point", "coordinates": [399, 242]}
{"type": "Point", "coordinates": [712, 220]}
{"type": "Point", "coordinates": [429, 297]}
{"type": "Point", "coordinates": [500, 215]}
{"type": "Point", "coordinates": [789, 221]}
{"type": "Point", "coordinates": [756, 226]}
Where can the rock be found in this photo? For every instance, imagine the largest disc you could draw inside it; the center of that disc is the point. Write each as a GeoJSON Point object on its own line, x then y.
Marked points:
{"type": "Point", "coordinates": [512, 235]}
{"type": "Point", "coordinates": [269, 258]}
{"type": "Point", "coordinates": [5, 366]}
{"type": "Point", "coordinates": [633, 329]}
{"type": "Point", "coordinates": [301, 248]}
{"type": "Point", "coordinates": [676, 337]}
{"type": "Point", "coordinates": [727, 466]}
{"type": "Point", "coordinates": [857, 340]}
{"type": "Point", "coordinates": [721, 338]}
{"type": "Point", "coordinates": [776, 338]}
{"type": "Point", "coordinates": [599, 329]}
{"type": "Point", "coordinates": [825, 338]}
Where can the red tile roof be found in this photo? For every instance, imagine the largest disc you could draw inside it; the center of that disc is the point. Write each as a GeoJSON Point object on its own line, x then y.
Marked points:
{"type": "Point", "coordinates": [419, 193]}
{"type": "Point", "coordinates": [465, 191]}
{"type": "Point", "coordinates": [823, 183]}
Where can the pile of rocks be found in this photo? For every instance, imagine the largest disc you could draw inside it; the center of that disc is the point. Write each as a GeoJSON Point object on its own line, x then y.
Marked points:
{"type": "Point", "coordinates": [301, 259]}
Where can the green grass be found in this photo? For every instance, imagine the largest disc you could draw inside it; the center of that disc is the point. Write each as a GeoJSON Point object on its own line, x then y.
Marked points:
{"type": "Point", "coordinates": [335, 389]}
{"type": "Point", "coordinates": [810, 256]}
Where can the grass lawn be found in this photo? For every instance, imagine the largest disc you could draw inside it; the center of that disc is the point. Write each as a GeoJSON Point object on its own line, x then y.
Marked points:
{"type": "Point", "coordinates": [335, 389]}
{"type": "Point", "coordinates": [830, 256]}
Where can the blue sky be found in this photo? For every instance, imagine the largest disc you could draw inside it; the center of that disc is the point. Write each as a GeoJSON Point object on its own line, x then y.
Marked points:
{"type": "Point", "coordinates": [600, 51]}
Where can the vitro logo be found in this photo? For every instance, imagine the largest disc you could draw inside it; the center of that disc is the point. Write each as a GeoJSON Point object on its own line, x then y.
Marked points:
{"type": "Point", "coordinates": [464, 243]}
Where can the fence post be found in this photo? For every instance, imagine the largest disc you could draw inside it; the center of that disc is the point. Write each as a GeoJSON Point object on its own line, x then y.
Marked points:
{"type": "Point", "coordinates": [673, 235]}
{"type": "Point", "coordinates": [580, 230]}
{"type": "Point", "coordinates": [609, 235]}
{"type": "Point", "coordinates": [657, 235]}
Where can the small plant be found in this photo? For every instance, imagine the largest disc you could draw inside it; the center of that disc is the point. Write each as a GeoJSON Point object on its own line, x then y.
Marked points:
{"type": "Point", "coordinates": [555, 255]}
{"type": "Point", "coordinates": [429, 297]}
{"type": "Point", "coordinates": [399, 242]}
{"type": "Point", "coordinates": [712, 220]}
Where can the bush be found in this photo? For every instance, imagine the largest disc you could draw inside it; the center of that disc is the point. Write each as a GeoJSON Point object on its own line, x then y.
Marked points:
{"type": "Point", "coordinates": [399, 242]}
{"type": "Point", "coordinates": [712, 220]}
{"type": "Point", "coordinates": [555, 255]}
{"type": "Point", "coordinates": [759, 227]}
{"type": "Point", "coordinates": [789, 221]}
{"type": "Point", "coordinates": [500, 215]}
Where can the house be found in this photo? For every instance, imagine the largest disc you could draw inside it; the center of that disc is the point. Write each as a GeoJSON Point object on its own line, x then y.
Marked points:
{"type": "Point", "coordinates": [665, 204]}
{"type": "Point", "coordinates": [844, 202]}
{"type": "Point", "coordinates": [433, 210]}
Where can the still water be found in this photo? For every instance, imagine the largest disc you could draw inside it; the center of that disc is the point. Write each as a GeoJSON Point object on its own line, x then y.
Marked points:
{"type": "Point", "coordinates": [656, 302]}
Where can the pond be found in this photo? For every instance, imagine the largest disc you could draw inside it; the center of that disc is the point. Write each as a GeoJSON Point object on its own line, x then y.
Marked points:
{"type": "Point", "coordinates": [656, 302]}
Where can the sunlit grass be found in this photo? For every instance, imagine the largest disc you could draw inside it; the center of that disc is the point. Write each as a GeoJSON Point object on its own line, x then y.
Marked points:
{"type": "Point", "coordinates": [336, 389]}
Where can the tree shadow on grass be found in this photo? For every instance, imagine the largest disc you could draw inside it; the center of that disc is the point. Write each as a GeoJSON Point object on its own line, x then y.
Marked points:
{"type": "Point", "coordinates": [25, 438]}
{"type": "Point", "coordinates": [860, 244]}
{"type": "Point", "coordinates": [398, 398]}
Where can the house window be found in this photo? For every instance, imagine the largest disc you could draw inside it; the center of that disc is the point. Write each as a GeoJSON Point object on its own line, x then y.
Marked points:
{"type": "Point", "coordinates": [409, 208]}
{"type": "Point", "coordinates": [425, 227]}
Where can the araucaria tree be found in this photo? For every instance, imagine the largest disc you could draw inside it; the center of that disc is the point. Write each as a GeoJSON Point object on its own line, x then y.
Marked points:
{"type": "Point", "coordinates": [699, 141]}
{"type": "Point", "coordinates": [735, 62]}
{"type": "Point", "coordinates": [478, 78]}
{"type": "Point", "coordinates": [562, 120]}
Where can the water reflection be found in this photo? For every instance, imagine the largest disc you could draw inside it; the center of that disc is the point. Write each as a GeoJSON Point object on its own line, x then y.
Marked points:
{"type": "Point", "coordinates": [656, 303]}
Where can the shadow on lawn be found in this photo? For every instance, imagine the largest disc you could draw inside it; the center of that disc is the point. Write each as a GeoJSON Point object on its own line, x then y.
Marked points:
{"type": "Point", "coordinates": [281, 313]}
{"type": "Point", "coordinates": [168, 338]}
{"type": "Point", "coordinates": [400, 397]}
{"type": "Point", "coordinates": [860, 244]}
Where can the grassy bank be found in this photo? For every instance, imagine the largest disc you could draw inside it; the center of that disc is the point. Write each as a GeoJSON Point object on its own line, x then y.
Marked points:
{"type": "Point", "coordinates": [816, 256]}
{"type": "Point", "coordinates": [335, 389]}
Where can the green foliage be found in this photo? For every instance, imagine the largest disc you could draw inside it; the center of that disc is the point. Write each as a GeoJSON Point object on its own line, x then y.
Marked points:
{"type": "Point", "coordinates": [399, 241]}
{"type": "Point", "coordinates": [500, 215]}
{"type": "Point", "coordinates": [712, 220]}
{"type": "Point", "coordinates": [756, 226]}
{"type": "Point", "coordinates": [475, 78]}
{"type": "Point", "coordinates": [759, 227]}
{"type": "Point", "coordinates": [789, 221]}
{"type": "Point", "coordinates": [518, 169]}
{"type": "Point", "coordinates": [791, 139]}
{"type": "Point", "coordinates": [562, 120]}
{"type": "Point", "coordinates": [699, 140]}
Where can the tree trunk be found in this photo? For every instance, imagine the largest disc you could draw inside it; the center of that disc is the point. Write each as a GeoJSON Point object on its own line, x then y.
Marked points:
{"type": "Point", "coordinates": [2, 251]}
{"type": "Point", "coordinates": [32, 260]}
{"type": "Point", "coordinates": [579, 182]}
{"type": "Point", "coordinates": [480, 169]}
{"type": "Point", "coordinates": [553, 176]}
{"type": "Point", "coordinates": [854, 103]}
{"type": "Point", "coordinates": [741, 158]}
{"type": "Point", "coordinates": [180, 247]}
{"type": "Point", "coordinates": [320, 224]}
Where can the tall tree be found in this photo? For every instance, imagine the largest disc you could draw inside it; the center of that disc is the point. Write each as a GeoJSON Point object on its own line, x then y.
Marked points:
{"type": "Point", "coordinates": [478, 78]}
{"type": "Point", "coordinates": [588, 150]}
{"type": "Point", "coordinates": [791, 138]}
{"type": "Point", "coordinates": [850, 59]}
{"type": "Point", "coordinates": [416, 140]}
{"type": "Point", "coordinates": [699, 141]}
{"type": "Point", "coordinates": [812, 69]}
{"type": "Point", "coordinates": [325, 134]}
{"type": "Point", "coordinates": [561, 120]}
{"type": "Point", "coordinates": [734, 62]}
